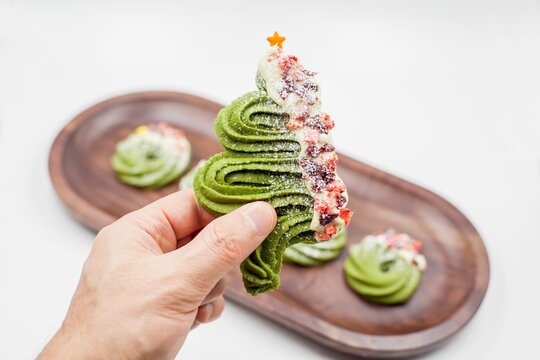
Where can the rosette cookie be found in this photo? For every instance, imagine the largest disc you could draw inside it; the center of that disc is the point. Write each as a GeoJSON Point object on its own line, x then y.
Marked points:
{"type": "Point", "coordinates": [316, 254]}
{"type": "Point", "coordinates": [186, 182]}
{"type": "Point", "coordinates": [277, 149]}
{"type": "Point", "coordinates": [385, 268]}
{"type": "Point", "coordinates": [151, 156]}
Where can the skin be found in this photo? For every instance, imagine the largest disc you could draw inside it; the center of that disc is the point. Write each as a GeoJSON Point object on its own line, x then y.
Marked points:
{"type": "Point", "coordinates": [154, 275]}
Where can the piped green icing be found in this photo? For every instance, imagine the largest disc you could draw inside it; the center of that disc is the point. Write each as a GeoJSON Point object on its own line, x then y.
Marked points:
{"type": "Point", "coordinates": [152, 156]}
{"type": "Point", "coordinates": [260, 162]}
{"type": "Point", "coordinates": [316, 254]}
{"type": "Point", "coordinates": [379, 273]}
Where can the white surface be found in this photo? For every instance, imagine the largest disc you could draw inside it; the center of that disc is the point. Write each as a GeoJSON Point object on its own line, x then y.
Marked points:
{"type": "Point", "coordinates": [443, 93]}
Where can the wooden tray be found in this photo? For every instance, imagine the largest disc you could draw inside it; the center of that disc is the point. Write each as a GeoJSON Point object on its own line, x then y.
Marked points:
{"type": "Point", "coordinates": [314, 302]}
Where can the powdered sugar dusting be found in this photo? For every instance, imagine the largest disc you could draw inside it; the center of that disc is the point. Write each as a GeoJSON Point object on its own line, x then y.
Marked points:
{"type": "Point", "coordinates": [298, 92]}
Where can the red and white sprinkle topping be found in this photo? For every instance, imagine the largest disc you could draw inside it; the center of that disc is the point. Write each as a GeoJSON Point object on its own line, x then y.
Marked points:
{"type": "Point", "coordinates": [168, 136]}
{"type": "Point", "coordinates": [406, 247]}
{"type": "Point", "coordinates": [298, 92]}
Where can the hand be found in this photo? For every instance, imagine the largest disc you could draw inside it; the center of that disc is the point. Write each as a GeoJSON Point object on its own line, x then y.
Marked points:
{"type": "Point", "coordinates": [150, 278]}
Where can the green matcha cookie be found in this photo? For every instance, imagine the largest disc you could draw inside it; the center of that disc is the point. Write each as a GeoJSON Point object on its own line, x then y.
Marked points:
{"type": "Point", "coordinates": [316, 254]}
{"type": "Point", "coordinates": [152, 156]}
{"type": "Point", "coordinates": [385, 268]}
{"type": "Point", "coordinates": [277, 149]}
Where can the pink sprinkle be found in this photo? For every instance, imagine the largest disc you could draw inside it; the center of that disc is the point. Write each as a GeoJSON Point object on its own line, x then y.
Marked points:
{"type": "Point", "coordinates": [312, 137]}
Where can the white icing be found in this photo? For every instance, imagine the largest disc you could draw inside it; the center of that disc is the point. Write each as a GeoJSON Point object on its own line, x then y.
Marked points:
{"type": "Point", "coordinates": [277, 86]}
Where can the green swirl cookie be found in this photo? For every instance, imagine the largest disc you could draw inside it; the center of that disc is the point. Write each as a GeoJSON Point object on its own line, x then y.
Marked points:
{"type": "Point", "coordinates": [260, 163]}
{"type": "Point", "coordinates": [316, 254]}
{"type": "Point", "coordinates": [381, 273]}
{"type": "Point", "coordinates": [152, 156]}
{"type": "Point", "coordinates": [278, 150]}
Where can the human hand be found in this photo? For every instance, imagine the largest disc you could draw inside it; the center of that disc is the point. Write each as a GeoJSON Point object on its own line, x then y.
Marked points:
{"type": "Point", "coordinates": [150, 278]}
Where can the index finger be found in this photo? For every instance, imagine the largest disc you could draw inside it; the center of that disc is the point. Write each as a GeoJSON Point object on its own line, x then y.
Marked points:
{"type": "Point", "coordinates": [171, 218]}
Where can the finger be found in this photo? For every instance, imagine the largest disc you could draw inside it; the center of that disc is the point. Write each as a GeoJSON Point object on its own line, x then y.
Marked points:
{"type": "Point", "coordinates": [211, 311]}
{"type": "Point", "coordinates": [222, 245]}
{"type": "Point", "coordinates": [170, 218]}
{"type": "Point", "coordinates": [183, 241]}
{"type": "Point", "coordinates": [216, 292]}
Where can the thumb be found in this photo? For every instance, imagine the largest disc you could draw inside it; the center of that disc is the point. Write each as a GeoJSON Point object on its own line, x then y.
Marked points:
{"type": "Point", "coordinates": [224, 243]}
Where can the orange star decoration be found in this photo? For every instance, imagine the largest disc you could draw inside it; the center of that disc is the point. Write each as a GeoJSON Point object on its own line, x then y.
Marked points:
{"type": "Point", "coordinates": [276, 39]}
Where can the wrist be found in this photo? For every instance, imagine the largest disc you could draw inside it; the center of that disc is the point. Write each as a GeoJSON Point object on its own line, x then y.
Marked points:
{"type": "Point", "coordinates": [69, 344]}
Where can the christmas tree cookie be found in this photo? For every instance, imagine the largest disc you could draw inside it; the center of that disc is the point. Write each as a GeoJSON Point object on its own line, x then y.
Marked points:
{"type": "Point", "coordinates": [385, 268]}
{"type": "Point", "coordinates": [151, 156]}
{"type": "Point", "coordinates": [277, 149]}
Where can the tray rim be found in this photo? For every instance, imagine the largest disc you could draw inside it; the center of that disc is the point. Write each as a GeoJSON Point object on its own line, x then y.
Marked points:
{"type": "Point", "coordinates": [387, 346]}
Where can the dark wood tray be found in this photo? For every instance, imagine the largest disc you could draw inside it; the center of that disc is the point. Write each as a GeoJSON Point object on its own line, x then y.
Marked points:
{"type": "Point", "coordinates": [315, 302]}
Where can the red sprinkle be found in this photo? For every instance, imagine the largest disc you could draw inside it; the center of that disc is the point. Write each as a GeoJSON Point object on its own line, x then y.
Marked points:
{"type": "Point", "coordinates": [346, 215]}
{"type": "Point", "coordinates": [328, 122]}
{"type": "Point", "coordinates": [335, 193]}
{"type": "Point", "coordinates": [336, 185]}
{"type": "Point", "coordinates": [285, 64]}
{"type": "Point", "coordinates": [331, 230]}
{"type": "Point", "coordinates": [327, 174]}
{"type": "Point", "coordinates": [318, 185]}
{"type": "Point", "coordinates": [321, 206]}
{"type": "Point", "coordinates": [323, 236]}
{"type": "Point", "coordinates": [327, 148]}
{"type": "Point", "coordinates": [326, 219]}
{"type": "Point", "coordinates": [294, 124]}
{"type": "Point", "coordinates": [313, 151]}
{"type": "Point", "coordinates": [332, 163]}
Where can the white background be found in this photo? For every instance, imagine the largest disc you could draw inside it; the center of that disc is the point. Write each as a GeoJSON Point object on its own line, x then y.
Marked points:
{"type": "Point", "coordinates": [443, 93]}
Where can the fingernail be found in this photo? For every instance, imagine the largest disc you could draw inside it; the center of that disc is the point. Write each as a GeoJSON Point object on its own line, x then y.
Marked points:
{"type": "Point", "coordinates": [209, 311]}
{"type": "Point", "coordinates": [261, 216]}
